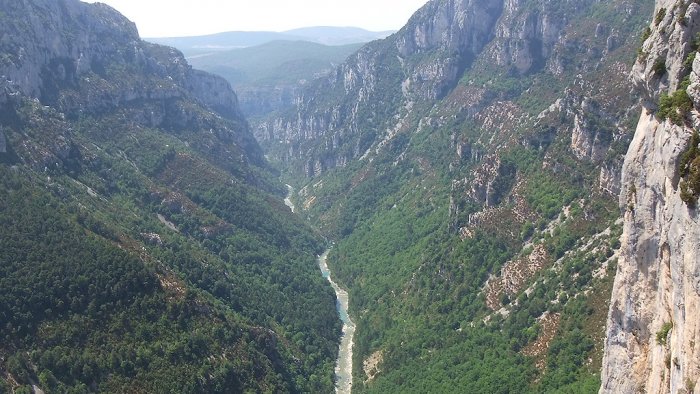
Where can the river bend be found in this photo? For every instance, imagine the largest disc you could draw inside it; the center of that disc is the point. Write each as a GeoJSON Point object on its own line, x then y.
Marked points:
{"type": "Point", "coordinates": [343, 366]}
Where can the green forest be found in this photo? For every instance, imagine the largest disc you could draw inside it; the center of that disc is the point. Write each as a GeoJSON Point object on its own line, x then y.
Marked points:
{"type": "Point", "coordinates": [151, 257]}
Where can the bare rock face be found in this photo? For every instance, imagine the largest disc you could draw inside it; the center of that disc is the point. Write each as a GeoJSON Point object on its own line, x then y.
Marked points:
{"type": "Point", "coordinates": [457, 30]}
{"type": "Point", "coordinates": [588, 140]}
{"type": "Point", "coordinates": [609, 180]}
{"type": "Point", "coordinates": [86, 59]}
{"type": "Point", "coordinates": [660, 65]}
{"type": "Point", "coordinates": [658, 272]}
{"type": "Point", "coordinates": [32, 51]}
{"type": "Point", "coordinates": [214, 92]}
{"type": "Point", "coordinates": [527, 36]}
{"type": "Point", "coordinates": [358, 107]}
{"type": "Point", "coordinates": [44, 56]}
{"type": "Point", "coordinates": [653, 335]}
{"type": "Point", "coordinates": [694, 88]}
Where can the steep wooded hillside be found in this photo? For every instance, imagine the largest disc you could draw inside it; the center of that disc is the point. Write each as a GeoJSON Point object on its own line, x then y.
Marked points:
{"type": "Point", "coordinates": [144, 244]}
{"type": "Point", "coordinates": [468, 167]}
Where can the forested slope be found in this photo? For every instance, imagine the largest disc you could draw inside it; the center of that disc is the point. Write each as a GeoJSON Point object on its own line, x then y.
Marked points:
{"type": "Point", "coordinates": [144, 244]}
{"type": "Point", "coordinates": [468, 168]}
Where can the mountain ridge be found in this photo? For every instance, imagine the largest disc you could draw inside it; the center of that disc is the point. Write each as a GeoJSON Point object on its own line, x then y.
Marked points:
{"type": "Point", "coordinates": [327, 35]}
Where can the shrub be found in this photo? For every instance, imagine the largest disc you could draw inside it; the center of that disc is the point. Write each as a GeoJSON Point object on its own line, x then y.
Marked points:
{"type": "Point", "coordinates": [688, 63]}
{"type": "Point", "coordinates": [689, 169]}
{"type": "Point", "coordinates": [675, 107]}
{"type": "Point", "coordinates": [659, 67]}
{"type": "Point", "coordinates": [660, 16]}
{"type": "Point", "coordinates": [662, 334]}
{"type": "Point", "coordinates": [695, 44]}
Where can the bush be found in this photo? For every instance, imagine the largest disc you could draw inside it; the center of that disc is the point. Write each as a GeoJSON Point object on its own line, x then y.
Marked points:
{"type": "Point", "coordinates": [660, 16]}
{"type": "Point", "coordinates": [659, 67]}
{"type": "Point", "coordinates": [675, 107]}
{"type": "Point", "coordinates": [689, 169]}
{"type": "Point", "coordinates": [662, 334]}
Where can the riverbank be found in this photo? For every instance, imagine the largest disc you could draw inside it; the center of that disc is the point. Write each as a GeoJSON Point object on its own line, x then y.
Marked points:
{"type": "Point", "coordinates": [343, 367]}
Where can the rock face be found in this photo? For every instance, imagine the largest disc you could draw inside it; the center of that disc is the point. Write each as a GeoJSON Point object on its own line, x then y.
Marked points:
{"type": "Point", "coordinates": [422, 62]}
{"type": "Point", "coordinates": [528, 36]}
{"type": "Point", "coordinates": [368, 100]}
{"type": "Point", "coordinates": [653, 333]}
{"type": "Point", "coordinates": [88, 59]}
{"type": "Point", "coordinates": [36, 61]}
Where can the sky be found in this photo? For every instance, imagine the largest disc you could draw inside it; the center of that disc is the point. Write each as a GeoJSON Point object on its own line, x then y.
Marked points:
{"type": "Point", "coordinates": [174, 18]}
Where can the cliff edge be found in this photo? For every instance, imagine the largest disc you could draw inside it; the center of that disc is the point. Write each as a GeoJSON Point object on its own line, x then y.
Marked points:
{"type": "Point", "coordinates": [653, 330]}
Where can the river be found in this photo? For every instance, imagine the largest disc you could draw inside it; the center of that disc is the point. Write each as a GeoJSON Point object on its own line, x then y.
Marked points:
{"type": "Point", "coordinates": [343, 366]}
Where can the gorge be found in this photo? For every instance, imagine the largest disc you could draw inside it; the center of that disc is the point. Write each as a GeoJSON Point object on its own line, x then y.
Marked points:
{"type": "Point", "coordinates": [343, 366]}
{"type": "Point", "coordinates": [510, 189]}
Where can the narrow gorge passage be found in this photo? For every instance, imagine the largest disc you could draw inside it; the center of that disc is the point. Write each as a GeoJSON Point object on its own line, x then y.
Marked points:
{"type": "Point", "coordinates": [343, 366]}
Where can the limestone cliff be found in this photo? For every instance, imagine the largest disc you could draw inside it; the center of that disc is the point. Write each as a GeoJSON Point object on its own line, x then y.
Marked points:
{"type": "Point", "coordinates": [374, 96]}
{"type": "Point", "coordinates": [653, 327]}
{"type": "Point", "coordinates": [85, 60]}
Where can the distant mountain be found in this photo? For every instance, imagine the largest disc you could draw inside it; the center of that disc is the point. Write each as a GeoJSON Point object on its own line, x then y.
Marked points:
{"type": "Point", "coordinates": [330, 35]}
{"type": "Point", "coordinates": [266, 76]}
{"type": "Point", "coordinates": [273, 62]}
{"type": "Point", "coordinates": [242, 39]}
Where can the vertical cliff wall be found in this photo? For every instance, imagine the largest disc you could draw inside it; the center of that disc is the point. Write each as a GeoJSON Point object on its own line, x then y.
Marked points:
{"type": "Point", "coordinates": [653, 332]}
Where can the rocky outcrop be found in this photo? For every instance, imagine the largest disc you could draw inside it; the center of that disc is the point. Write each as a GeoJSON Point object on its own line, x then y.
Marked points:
{"type": "Point", "coordinates": [588, 139]}
{"type": "Point", "coordinates": [662, 62]}
{"type": "Point", "coordinates": [457, 31]}
{"type": "Point", "coordinates": [64, 44]}
{"type": "Point", "coordinates": [31, 49]}
{"type": "Point", "coordinates": [214, 92]}
{"type": "Point", "coordinates": [609, 180]}
{"type": "Point", "coordinates": [527, 36]}
{"type": "Point", "coordinates": [356, 111]}
{"type": "Point", "coordinates": [653, 334]}
{"type": "Point", "coordinates": [86, 59]}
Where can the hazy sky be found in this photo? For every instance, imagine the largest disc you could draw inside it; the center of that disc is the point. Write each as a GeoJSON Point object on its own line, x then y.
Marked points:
{"type": "Point", "coordinates": [163, 18]}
